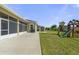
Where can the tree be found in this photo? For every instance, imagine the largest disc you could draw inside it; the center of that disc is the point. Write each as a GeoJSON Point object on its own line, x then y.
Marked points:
{"type": "Point", "coordinates": [54, 27]}
{"type": "Point", "coordinates": [47, 28]}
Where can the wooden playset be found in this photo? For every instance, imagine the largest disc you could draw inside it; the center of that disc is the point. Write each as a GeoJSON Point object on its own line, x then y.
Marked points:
{"type": "Point", "coordinates": [70, 30]}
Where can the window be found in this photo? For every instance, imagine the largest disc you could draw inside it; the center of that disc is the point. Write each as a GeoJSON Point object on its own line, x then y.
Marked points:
{"type": "Point", "coordinates": [12, 27]}
{"type": "Point", "coordinates": [4, 27]}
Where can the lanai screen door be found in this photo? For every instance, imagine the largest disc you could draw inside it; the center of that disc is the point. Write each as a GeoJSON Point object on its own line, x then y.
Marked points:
{"type": "Point", "coordinates": [4, 27]}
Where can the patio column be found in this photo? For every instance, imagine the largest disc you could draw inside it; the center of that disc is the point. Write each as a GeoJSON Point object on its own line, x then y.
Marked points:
{"type": "Point", "coordinates": [28, 27]}
{"type": "Point", "coordinates": [0, 27]}
{"type": "Point", "coordinates": [8, 24]}
{"type": "Point", "coordinates": [17, 26]}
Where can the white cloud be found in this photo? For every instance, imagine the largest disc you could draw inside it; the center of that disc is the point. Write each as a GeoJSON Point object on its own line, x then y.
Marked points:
{"type": "Point", "coordinates": [76, 5]}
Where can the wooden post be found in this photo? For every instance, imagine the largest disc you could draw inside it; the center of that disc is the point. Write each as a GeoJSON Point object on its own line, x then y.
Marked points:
{"type": "Point", "coordinates": [73, 31]}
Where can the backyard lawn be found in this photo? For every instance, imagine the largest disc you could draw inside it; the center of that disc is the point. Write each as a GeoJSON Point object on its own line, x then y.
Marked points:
{"type": "Point", "coordinates": [51, 44]}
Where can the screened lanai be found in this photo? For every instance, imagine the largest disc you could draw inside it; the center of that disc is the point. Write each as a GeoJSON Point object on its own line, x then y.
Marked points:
{"type": "Point", "coordinates": [10, 23]}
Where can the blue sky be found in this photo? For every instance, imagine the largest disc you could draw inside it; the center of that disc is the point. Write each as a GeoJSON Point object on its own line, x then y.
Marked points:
{"type": "Point", "coordinates": [47, 14]}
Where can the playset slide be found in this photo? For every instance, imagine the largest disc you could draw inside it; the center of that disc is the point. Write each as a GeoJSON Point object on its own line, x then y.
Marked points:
{"type": "Point", "coordinates": [66, 33]}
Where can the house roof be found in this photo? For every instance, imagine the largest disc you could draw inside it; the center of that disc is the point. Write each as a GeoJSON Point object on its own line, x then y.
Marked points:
{"type": "Point", "coordinates": [9, 12]}
{"type": "Point", "coordinates": [31, 21]}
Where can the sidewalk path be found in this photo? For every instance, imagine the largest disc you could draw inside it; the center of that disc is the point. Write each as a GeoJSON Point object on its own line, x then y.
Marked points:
{"type": "Point", "coordinates": [26, 44]}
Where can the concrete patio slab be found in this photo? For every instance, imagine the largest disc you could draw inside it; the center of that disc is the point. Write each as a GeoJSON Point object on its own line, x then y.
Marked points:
{"type": "Point", "coordinates": [25, 44]}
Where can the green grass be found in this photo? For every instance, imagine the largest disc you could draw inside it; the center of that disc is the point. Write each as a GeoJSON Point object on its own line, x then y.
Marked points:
{"type": "Point", "coordinates": [51, 44]}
